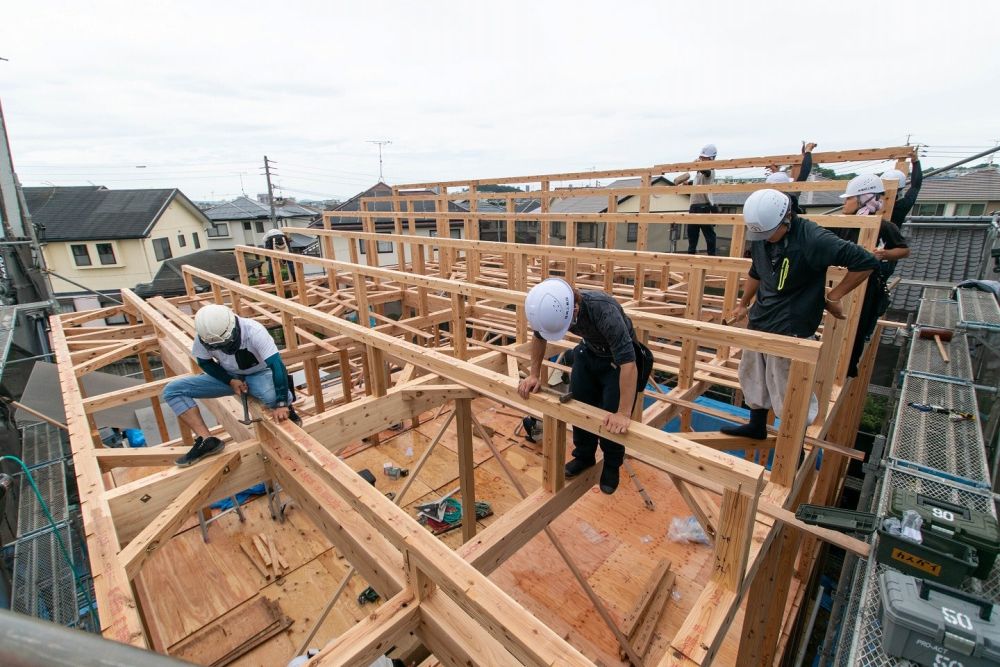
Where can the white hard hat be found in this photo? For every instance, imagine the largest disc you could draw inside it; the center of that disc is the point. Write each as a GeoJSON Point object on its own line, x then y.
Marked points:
{"type": "Point", "coordinates": [709, 150]}
{"type": "Point", "coordinates": [763, 211]}
{"type": "Point", "coordinates": [897, 175]}
{"type": "Point", "coordinates": [778, 177]}
{"type": "Point", "coordinates": [272, 233]}
{"type": "Point", "coordinates": [549, 306]}
{"type": "Point", "coordinates": [215, 325]}
{"type": "Point", "coordinates": [865, 184]}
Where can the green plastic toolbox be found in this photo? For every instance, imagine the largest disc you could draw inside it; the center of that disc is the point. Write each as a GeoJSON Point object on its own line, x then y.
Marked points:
{"type": "Point", "coordinates": [936, 557]}
{"type": "Point", "coordinates": [935, 625]}
{"type": "Point", "coordinates": [977, 529]}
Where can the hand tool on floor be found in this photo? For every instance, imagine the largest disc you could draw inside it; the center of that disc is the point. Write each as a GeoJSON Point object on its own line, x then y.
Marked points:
{"type": "Point", "coordinates": [638, 486]}
{"type": "Point", "coordinates": [940, 337]}
{"type": "Point", "coordinates": [954, 415]}
{"type": "Point", "coordinates": [246, 421]}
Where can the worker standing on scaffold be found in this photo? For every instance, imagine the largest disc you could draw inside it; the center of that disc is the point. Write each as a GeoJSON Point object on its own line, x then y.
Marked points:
{"type": "Point", "coordinates": [610, 366]}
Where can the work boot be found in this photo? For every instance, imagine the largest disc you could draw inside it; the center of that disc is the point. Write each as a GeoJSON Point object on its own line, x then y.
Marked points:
{"type": "Point", "coordinates": [202, 447]}
{"type": "Point", "coordinates": [294, 417]}
{"type": "Point", "coordinates": [576, 466]}
{"type": "Point", "coordinates": [756, 428]}
{"type": "Point", "coordinates": [609, 478]}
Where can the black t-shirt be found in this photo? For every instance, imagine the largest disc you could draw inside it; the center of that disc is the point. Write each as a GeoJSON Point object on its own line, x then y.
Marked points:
{"type": "Point", "coordinates": [604, 327]}
{"type": "Point", "coordinates": [792, 274]}
{"type": "Point", "coordinates": [889, 238]}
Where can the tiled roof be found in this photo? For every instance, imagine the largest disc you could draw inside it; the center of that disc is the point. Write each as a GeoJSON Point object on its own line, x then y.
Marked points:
{"type": "Point", "coordinates": [981, 185]}
{"type": "Point", "coordinates": [599, 203]}
{"type": "Point", "coordinates": [169, 279]}
{"type": "Point", "coordinates": [94, 212]}
{"type": "Point", "coordinates": [244, 208]}
{"type": "Point", "coordinates": [382, 190]}
{"type": "Point", "coordinates": [944, 253]}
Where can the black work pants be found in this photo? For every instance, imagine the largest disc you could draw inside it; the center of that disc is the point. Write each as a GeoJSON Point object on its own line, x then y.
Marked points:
{"type": "Point", "coordinates": [707, 230]}
{"type": "Point", "coordinates": [594, 381]}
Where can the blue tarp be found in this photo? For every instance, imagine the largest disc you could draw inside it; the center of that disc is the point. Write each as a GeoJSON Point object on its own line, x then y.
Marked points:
{"type": "Point", "coordinates": [241, 497]}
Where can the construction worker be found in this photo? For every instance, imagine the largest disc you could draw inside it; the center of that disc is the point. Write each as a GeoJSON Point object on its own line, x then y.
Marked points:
{"type": "Point", "coordinates": [701, 202]}
{"type": "Point", "coordinates": [790, 256]}
{"type": "Point", "coordinates": [864, 196]}
{"type": "Point", "coordinates": [798, 174]}
{"type": "Point", "coordinates": [610, 365]}
{"type": "Point", "coordinates": [904, 202]}
{"type": "Point", "coordinates": [275, 239]}
{"type": "Point", "coordinates": [238, 356]}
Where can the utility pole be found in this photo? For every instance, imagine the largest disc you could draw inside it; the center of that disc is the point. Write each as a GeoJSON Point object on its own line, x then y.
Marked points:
{"type": "Point", "coordinates": [270, 191]}
{"type": "Point", "coordinates": [380, 143]}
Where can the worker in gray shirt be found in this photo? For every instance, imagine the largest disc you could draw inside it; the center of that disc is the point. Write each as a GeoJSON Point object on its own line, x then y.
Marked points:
{"type": "Point", "coordinates": [790, 256]}
{"type": "Point", "coordinates": [610, 365]}
{"type": "Point", "coordinates": [701, 202]}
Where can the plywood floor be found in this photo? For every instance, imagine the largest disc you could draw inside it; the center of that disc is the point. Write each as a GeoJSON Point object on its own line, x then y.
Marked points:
{"type": "Point", "coordinates": [614, 540]}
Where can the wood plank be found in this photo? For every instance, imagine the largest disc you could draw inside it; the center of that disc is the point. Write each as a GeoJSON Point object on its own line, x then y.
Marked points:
{"type": "Point", "coordinates": [128, 395]}
{"type": "Point", "coordinates": [191, 499]}
{"type": "Point", "coordinates": [234, 634]}
{"type": "Point", "coordinates": [116, 354]}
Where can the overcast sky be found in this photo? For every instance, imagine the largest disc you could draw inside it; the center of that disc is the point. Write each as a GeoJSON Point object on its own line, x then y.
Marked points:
{"type": "Point", "coordinates": [199, 92]}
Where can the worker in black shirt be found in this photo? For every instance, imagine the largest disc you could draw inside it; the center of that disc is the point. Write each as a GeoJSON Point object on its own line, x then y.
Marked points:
{"type": "Point", "coordinates": [610, 366]}
{"type": "Point", "coordinates": [904, 202]}
{"type": "Point", "coordinates": [701, 202]}
{"type": "Point", "coordinates": [864, 197]}
{"type": "Point", "coordinates": [799, 174]}
{"type": "Point", "coordinates": [790, 256]}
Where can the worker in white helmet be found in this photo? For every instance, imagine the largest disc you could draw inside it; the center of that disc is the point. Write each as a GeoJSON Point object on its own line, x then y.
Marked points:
{"type": "Point", "coordinates": [784, 294]}
{"type": "Point", "coordinates": [798, 173]}
{"type": "Point", "coordinates": [905, 201]}
{"type": "Point", "coordinates": [865, 196]}
{"type": "Point", "coordinates": [238, 356]}
{"type": "Point", "coordinates": [701, 202]}
{"type": "Point", "coordinates": [275, 239]}
{"type": "Point", "coordinates": [610, 365]}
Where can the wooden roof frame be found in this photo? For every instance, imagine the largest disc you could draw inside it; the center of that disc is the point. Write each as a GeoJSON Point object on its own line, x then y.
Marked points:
{"type": "Point", "coordinates": [444, 596]}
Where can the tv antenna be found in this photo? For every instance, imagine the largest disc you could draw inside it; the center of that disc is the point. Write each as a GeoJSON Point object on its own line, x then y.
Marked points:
{"type": "Point", "coordinates": [380, 143]}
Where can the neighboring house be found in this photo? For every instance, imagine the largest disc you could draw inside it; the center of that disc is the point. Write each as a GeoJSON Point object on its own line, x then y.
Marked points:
{"type": "Point", "coordinates": [169, 280]}
{"type": "Point", "coordinates": [975, 192]}
{"type": "Point", "coordinates": [386, 250]}
{"type": "Point", "coordinates": [109, 239]}
{"type": "Point", "coordinates": [244, 221]}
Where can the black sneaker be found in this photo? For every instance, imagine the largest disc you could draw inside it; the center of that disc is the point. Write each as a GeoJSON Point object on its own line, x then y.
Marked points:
{"type": "Point", "coordinates": [202, 448]}
{"type": "Point", "coordinates": [293, 416]}
{"type": "Point", "coordinates": [609, 479]}
{"type": "Point", "coordinates": [576, 466]}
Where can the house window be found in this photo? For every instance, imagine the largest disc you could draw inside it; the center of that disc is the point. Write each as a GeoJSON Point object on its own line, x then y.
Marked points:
{"type": "Point", "coordinates": [969, 209]}
{"type": "Point", "coordinates": [432, 233]}
{"type": "Point", "coordinates": [928, 209]}
{"type": "Point", "coordinates": [259, 226]}
{"type": "Point", "coordinates": [106, 254]}
{"type": "Point", "coordinates": [632, 234]}
{"type": "Point", "coordinates": [195, 240]}
{"type": "Point", "coordinates": [217, 230]}
{"type": "Point", "coordinates": [586, 232]}
{"type": "Point", "coordinates": [247, 225]}
{"type": "Point", "coordinates": [81, 255]}
{"type": "Point", "coordinates": [181, 241]}
{"type": "Point", "coordinates": [383, 247]}
{"type": "Point", "coordinates": [456, 233]}
{"type": "Point", "coordinates": [161, 247]}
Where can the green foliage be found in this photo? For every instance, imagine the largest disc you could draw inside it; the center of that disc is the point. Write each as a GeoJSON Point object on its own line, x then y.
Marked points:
{"type": "Point", "coordinates": [497, 188]}
{"type": "Point", "coordinates": [830, 173]}
{"type": "Point", "coordinates": [873, 415]}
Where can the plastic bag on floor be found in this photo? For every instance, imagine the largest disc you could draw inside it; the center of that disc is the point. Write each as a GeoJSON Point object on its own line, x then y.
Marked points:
{"type": "Point", "coordinates": [687, 529]}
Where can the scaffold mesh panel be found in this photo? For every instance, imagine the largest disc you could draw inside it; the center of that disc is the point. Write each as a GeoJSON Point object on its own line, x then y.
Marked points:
{"type": "Point", "coordinates": [51, 482]}
{"type": "Point", "coordinates": [43, 584]}
{"type": "Point", "coordinates": [937, 313]}
{"type": "Point", "coordinates": [43, 443]}
{"type": "Point", "coordinates": [926, 358]}
{"type": "Point", "coordinates": [936, 440]}
{"type": "Point", "coordinates": [978, 309]}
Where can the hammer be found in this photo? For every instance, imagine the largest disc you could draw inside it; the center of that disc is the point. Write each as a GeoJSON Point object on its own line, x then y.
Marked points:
{"type": "Point", "coordinates": [562, 397]}
{"type": "Point", "coordinates": [246, 421]}
{"type": "Point", "coordinates": [940, 337]}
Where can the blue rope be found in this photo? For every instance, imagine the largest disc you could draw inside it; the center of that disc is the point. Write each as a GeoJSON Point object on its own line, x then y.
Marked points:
{"type": "Point", "coordinates": [77, 577]}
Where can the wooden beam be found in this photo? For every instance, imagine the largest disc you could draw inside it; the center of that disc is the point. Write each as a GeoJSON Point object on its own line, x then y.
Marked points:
{"type": "Point", "coordinates": [189, 501]}
{"type": "Point", "coordinates": [114, 355]}
{"type": "Point", "coordinates": [466, 466]}
{"type": "Point", "coordinates": [374, 635]}
{"type": "Point", "coordinates": [128, 395]}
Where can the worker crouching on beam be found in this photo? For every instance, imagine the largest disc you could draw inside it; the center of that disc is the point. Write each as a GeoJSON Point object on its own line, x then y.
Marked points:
{"type": "Point", "coordinates": [239, 357]}
{"type": "Point", "coordinates": [789, 258]}
{"type": "Point", "coordinates": [610, 366]}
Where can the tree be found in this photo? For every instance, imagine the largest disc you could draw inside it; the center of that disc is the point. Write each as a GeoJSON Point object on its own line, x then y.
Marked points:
{"type": "Point", "coordinates": [831, 174]}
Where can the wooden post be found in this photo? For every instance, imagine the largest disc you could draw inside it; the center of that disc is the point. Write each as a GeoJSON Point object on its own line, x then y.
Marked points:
{"type": "Point", "coordinates": [147, 374]}
{"type": "Point", "coordinates": [466, 466]}
{"type": "Point", "coordinates": [546, 226]}
{"type": "Point", "coordinates": [458, 326]}
{"type": "Point", "coordinates": [553, 454]}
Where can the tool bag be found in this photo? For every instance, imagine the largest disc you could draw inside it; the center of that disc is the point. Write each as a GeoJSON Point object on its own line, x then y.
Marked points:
{"type": "Point", "coordinates": [935, 625]}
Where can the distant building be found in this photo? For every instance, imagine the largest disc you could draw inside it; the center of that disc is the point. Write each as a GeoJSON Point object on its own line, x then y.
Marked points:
{"type": "Point", "coordinates": [169, 280]}
{"type": "Point", "coordinates": [244, 221]}
{"type": "Point", "coordinates": [974, 192]}
{"type": "Point", "coordinates": [109, 239]}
